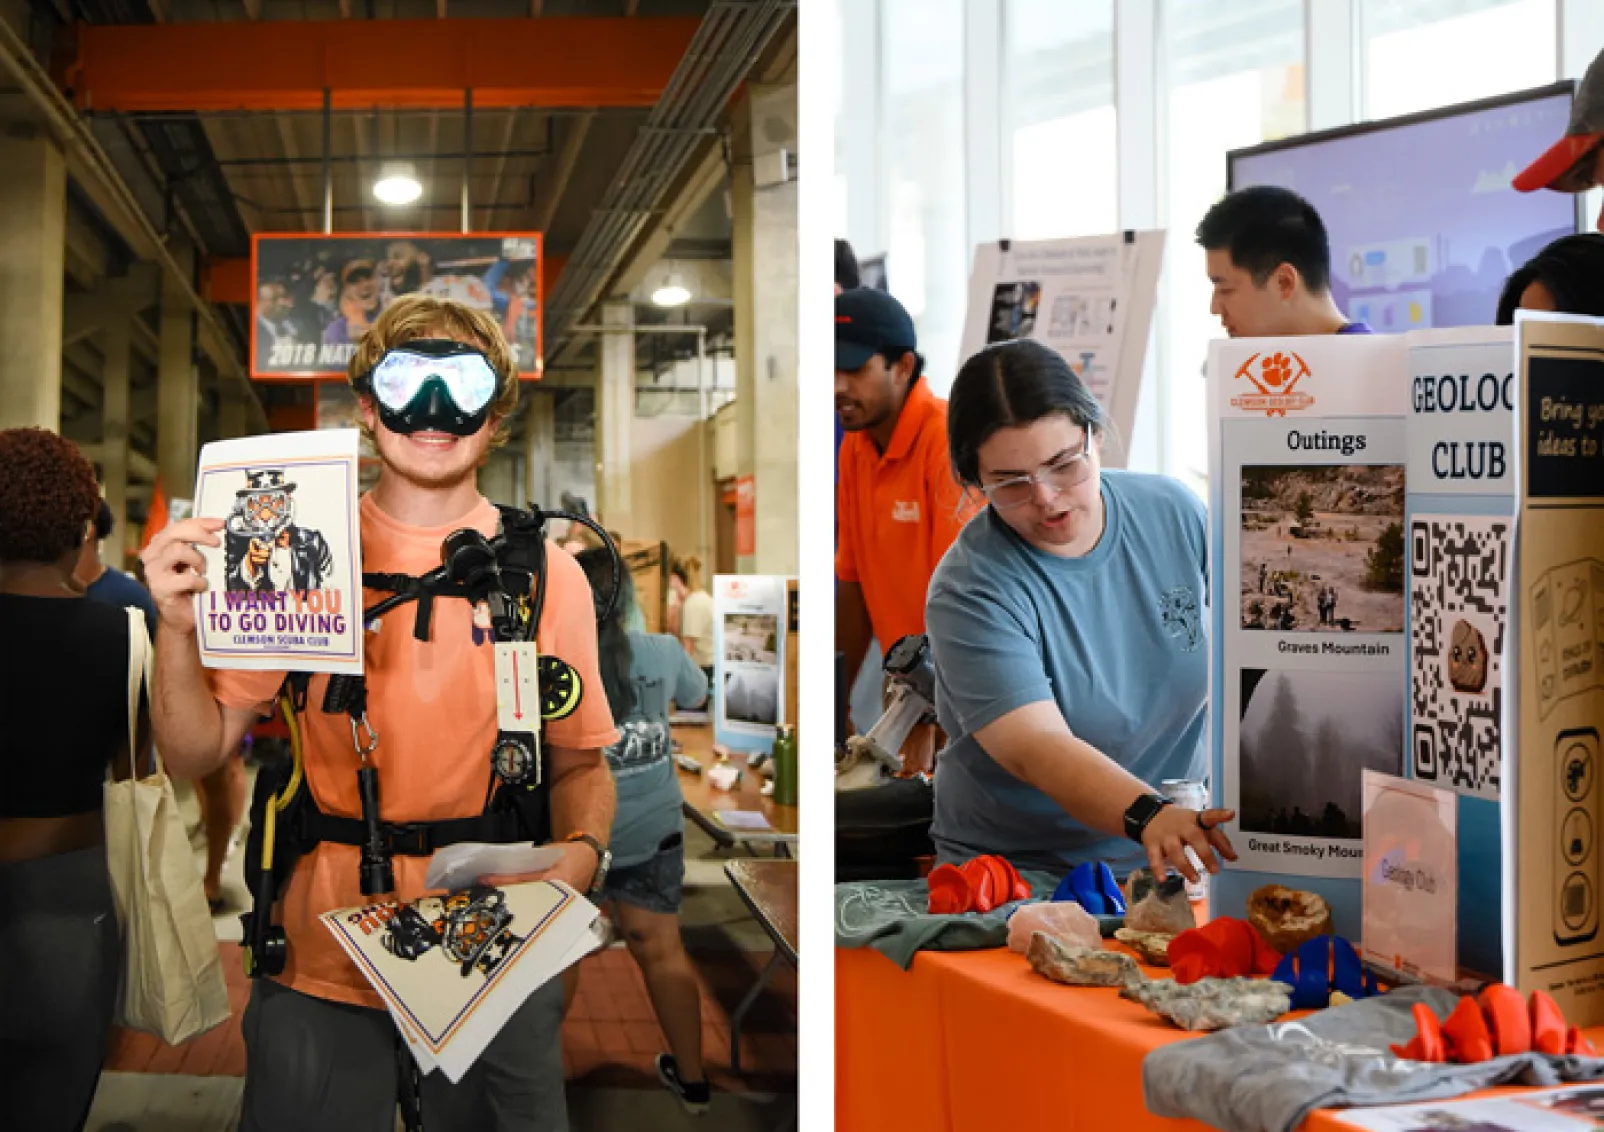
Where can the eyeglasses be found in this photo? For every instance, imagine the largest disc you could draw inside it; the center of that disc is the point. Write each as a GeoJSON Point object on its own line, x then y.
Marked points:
{"type": "Point", "coordinates": [1060, 476]}
{"type": "Point", "coordinates": [469, 378]}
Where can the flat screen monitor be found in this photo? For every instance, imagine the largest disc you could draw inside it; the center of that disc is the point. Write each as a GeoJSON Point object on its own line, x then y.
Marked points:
{"type": "Point", "coordinates": [1423, 223]}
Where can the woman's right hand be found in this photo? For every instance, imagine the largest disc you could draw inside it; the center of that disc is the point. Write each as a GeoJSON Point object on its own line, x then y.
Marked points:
{"type": "Point", "coordinates": [1173, 829]}
{"type": "Point", "coordinates": [175, 570]}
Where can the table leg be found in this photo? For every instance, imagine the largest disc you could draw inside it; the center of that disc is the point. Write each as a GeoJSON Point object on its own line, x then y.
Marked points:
{"type": "Point", "coordinates": [746, 1004]}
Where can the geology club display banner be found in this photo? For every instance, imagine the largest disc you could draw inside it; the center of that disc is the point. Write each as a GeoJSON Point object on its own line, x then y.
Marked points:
{"type": "Point", "coordinates": [1307, 563]}
{"type": "Point", "coordinates": [749, 663]}
{"type": "Point", "coordinates": [313, 296]}
{"type": "Point", "coordinates": [284, 591]}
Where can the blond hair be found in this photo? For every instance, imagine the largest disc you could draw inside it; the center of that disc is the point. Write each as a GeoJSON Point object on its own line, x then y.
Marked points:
{"type": "Point", "coordinates": [411, 317]}
{"type": "Point", "coordinates": [689, 570]}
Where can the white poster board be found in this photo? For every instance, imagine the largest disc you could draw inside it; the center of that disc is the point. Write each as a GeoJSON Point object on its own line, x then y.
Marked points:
{"type": "Point", "coordinates": [749, 664]}
{"type": "Point", "coordinates": [1090, 298]}
{"type": "Point", "coordinates": [1411, 879]}
{"type": "Point", "coordinates": [284, 591]}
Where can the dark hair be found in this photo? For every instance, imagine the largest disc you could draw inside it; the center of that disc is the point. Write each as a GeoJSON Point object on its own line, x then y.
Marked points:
{"type": "Point", "coordinates": [47, 495]}
{"type": "Point", "coordinates": [847, 276]}
{"type": "Point", "coordinates": [1572, 268]}
{"type": "Point", "coordinates": [1263, 227]}
{"type": "Point", "coordinates": [103, 521]}
{"type": "Point", "coordinates": [1008, 384]}
{"type": "Point", "coordinates": [614, 657]}
{"type": "Point", "coordinates": [894, 356]}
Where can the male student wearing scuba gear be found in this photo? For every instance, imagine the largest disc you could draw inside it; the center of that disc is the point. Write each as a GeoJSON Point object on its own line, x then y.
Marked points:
{"type": "Point", "coordinates": [320, 1051]}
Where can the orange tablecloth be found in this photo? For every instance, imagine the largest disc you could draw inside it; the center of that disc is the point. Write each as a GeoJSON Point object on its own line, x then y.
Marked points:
{"type": "Point", "coordinates": [969, 1041]}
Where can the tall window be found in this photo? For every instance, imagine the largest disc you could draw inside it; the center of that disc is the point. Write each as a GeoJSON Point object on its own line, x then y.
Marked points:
{"type": "Point", "coordinates": [1234, 72]}
{"type": "Point", "coordinates": [922, 61]}
{"type": "Point", "coordinates": [1491, 47]}
{"type": "Point", "coordinates": [1059, 159]}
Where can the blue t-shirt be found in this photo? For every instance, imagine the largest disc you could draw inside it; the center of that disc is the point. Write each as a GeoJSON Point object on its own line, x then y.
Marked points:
{"type": "Point", "coordinates": [649, 798]}
{"type": "Point", "coordinates": [123, 590]}
{"type": "Point", "coordinates": [1356, 328]}
{"type": "Point", "coordinates": [1118, 638]}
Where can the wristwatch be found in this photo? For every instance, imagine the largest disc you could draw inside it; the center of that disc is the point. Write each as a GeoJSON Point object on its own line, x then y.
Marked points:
{"type": "Point", "coordinates": [604, 860]}
{"type": "Point", "coordinates": [1142, 811]}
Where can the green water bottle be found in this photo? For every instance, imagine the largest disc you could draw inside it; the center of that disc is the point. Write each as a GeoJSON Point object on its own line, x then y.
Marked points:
{"type": "Point", "coordinates": [784, 754]}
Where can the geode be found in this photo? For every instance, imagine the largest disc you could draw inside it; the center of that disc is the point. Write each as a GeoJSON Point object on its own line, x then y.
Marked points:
{"type": "Point", "coordinates": [1288, 917]}
{"type": "Point", "coordinates": [1081, 966]}
{"type": "Point", "coordinates": [1213, 1004]}
{"type": "Point", "coordinates": [1153, 947]}
{"type": "Point", "coordinates": [1161, 909]}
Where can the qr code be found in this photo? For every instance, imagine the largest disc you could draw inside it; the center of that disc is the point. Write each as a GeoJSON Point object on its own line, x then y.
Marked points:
{"type": "Point", "coordinates": [1459, 578]}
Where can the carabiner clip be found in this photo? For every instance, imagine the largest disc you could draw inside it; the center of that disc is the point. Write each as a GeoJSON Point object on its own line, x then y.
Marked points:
{"type": "Point", "coordinates": [363, 749]}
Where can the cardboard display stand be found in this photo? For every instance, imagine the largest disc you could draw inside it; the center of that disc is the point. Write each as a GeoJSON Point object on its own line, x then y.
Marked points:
{"type": "Point", "coordinates": [647, 563]}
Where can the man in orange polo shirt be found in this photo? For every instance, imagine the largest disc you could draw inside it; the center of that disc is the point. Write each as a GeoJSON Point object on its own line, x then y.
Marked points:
{"type": "Point", "coordinates": [898, 505]}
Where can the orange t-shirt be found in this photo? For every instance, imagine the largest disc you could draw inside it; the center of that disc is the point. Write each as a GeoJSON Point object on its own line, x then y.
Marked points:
{"type": "Point", "coordinates": [897, 512]}
{"type": "Point", "coordinates": [433, 705]}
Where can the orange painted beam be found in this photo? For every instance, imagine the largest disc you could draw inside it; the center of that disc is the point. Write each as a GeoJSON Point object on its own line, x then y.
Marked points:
{"type": "Point", "coordinates": [414, 64]}
{"type": "Point", "coordinates": [229, 280]}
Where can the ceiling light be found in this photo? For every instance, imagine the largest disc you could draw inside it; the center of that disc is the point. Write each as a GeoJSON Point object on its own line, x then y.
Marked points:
{"type": "Point", "coordinates": [397, 184]}
{"type": "Point", "coordinates": [673, 292]}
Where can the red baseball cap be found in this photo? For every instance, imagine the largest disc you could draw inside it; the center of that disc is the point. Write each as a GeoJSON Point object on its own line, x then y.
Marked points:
{"type": "Point", "coordinates": [1567, 165]}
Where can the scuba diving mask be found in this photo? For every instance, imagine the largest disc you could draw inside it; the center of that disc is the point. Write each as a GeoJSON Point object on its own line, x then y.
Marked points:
{"type": "Point", "coordinates": [432, 385]}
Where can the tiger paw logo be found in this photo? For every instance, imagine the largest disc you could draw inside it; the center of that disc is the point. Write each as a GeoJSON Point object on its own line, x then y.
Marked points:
{"type": "Point", "coordinates": [1276, 378]}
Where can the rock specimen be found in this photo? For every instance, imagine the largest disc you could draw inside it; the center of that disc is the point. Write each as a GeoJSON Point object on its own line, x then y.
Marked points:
{"type": "Point", "coordinates": [1070, 924]}
{"type": "Point", "coordinates": [1162, 909]}
{"type": "Point", "coordinates": [1213, 1004]}
{"type": "Point", "coordinates": [1152, 947]}
{"type": "Point", "coordinates": [1287, 917]}
{"type": "Point", "coordinates": [1081, 966]}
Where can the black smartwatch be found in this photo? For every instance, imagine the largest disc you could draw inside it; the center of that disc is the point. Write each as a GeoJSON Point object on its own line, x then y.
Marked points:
{"type": "Point", "coordinates": [1142, 811]}
{"type": "Point", "coordinates": [604, 860]}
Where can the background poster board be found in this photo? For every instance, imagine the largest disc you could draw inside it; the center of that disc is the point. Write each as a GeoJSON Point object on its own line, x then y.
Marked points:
{"type": "Point", "coordinates": [1556, 669]}
{"type": "Point", "coordinates": [750, 660]}
{"type": "Point", "coordinates": [1308, 677]}
{"type": "Point", "coordinates": [1461, 510]}
{"type": "Point", "coordinates": [1090, 298]}
{"type": "Point", "coordinates": [312, 296]}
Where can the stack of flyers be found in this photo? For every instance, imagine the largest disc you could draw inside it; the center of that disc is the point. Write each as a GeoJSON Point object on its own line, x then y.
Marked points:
{"type": "Point", "coordinates": [452, 969]}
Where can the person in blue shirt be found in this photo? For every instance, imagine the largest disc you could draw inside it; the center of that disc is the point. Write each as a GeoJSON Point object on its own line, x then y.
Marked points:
{"type": "Point", "coordinates": [642, 673]}
{"type": "Point", "coordinates": [1070, 636]}
{"type": "Point", "coordinates": [1269, 259]}
{"type": "Point", "coordinates": [107, 584]}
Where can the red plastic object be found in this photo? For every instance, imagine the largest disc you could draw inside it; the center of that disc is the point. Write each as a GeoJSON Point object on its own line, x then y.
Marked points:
{"type": "Point", "coordinates": [1427, 1044]}
{"type": "Point", "coordinates": [993, 882]}
{"type": "Point", "coordinates": [1575, 1043]}
{"type": "Point", "coordinates": [1467, 1034]}
{"type": "Point", "coordinates": [949, 891]}
{"type": "Point", "coordinates": [1548, 1024]}
{"type": "Point", "coordinates": [1225, 947]}
{"type": "Point", "coordinates": [1508, 1019]}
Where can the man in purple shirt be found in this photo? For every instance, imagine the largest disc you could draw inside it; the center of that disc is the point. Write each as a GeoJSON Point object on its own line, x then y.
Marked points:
{"type": "Point", "coordinates": [1270, 263]}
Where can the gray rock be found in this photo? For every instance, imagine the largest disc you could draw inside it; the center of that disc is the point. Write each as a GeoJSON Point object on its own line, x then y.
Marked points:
{"type": "Point", "coordinates": [1152, 948]}
{"type": "Point", "coordinates": [1161, 909]}
{"type": "Point", "coordinates": [1081, 966]}
{"type": "Point", "coordinates": [1213, 1004]}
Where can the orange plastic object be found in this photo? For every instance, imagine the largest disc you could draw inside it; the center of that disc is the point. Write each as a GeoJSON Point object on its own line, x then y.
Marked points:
{"type": "Point", "coordinates": [1508, 1019]}
{"type": "Point", "coordinates": [1575, 1043]}
{"type": "Point", "coordinates": [1466, 1034]}
{"type": "Point", "coordinates": [1427, 1044]}
{"type": "Point", "coordinates": [1225, 947]}
{"type": "Point", "coordinates": [949, 891]}
{"type": "Point", "coordinates": [1548, 1024]}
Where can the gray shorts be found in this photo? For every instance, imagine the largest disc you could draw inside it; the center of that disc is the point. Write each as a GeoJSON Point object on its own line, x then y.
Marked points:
{"type": "Point", "coordinates": [312, 1065]}
{"type": "Point", "coordinates": [657, 884]}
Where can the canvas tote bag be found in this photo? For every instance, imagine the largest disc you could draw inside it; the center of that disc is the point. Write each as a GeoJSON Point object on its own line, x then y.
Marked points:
{"type": "Point", "coordinates": [172, 982]}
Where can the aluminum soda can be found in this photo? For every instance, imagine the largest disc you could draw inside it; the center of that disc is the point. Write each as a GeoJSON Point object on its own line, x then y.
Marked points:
{"type": "Point", "coordinates": [1190, 794]}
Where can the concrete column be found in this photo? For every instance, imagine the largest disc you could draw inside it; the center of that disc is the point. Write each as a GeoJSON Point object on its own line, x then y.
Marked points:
{"type": "Point", "coordinates": [114, 344]}
{"type": "Point", "coordinates": [765, 283]}
{"type": "Point", "coordinates": [232, 419]}
{"type": "Point", "coordinates": [615, 416]}
{"type": "Point", "coordinates": [33, 241]}
{"type": "Point", "coordinates": [177, 388]}
{"type": "Point", "coordinates": [540, 449]}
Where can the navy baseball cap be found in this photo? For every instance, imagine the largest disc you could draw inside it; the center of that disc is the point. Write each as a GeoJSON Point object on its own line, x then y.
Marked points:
{"type": "Point", "coordinates": [870, 322]}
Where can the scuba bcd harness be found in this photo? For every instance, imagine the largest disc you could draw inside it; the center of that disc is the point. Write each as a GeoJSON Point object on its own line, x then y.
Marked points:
{"type": "Point", "coordinates": [504, 579]}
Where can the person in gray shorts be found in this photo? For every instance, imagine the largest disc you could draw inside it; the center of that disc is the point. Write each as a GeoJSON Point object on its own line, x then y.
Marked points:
{"type": "Point", "coordinates": [643, 673]}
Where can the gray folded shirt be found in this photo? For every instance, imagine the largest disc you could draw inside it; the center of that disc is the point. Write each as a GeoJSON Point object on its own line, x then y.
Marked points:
{"type": "Point", "coordinates": [1270, 1078]}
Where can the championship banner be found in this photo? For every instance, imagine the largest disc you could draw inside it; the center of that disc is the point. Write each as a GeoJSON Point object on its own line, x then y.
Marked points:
{"type": "Point", "coordinates": [1307, 563]}
{"type": "Point", "coordinates": [313, 296]}
{"type": "Point", "coordinates": [284, 591]}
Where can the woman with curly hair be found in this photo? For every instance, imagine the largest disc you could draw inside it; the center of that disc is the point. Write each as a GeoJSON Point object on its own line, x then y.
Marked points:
{"type": "Point", "coordinates": [63, 699]}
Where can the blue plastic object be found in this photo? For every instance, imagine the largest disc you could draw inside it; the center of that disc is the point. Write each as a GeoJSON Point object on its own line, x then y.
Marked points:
{"type": "Point", "coordinates": [1091, 885]}
{"type": "Point", "coordinates": [1306, 972]}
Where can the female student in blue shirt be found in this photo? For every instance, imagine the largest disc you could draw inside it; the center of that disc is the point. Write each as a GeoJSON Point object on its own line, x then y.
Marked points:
{"type": "Point", "coordinates": [1069, 629]}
